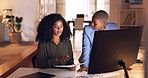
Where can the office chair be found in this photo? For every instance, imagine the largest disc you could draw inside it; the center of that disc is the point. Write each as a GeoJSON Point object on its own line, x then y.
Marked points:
{"type": "Point", "coordinates": [34, 62]}
{"type": "Point", "coordinates": [78, 24]}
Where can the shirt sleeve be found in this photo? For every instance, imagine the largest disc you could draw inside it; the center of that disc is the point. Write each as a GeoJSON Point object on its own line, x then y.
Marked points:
{"type": "Point", "coordinates": [42, 60]}
{"type": "Point", "coordinates": [70, 52]}
{"type": "Point", "coordinates": [85, 49]}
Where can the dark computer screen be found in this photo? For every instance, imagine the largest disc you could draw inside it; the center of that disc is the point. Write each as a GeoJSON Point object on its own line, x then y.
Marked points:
{"type": "Point", "coordinates": [112, 46]}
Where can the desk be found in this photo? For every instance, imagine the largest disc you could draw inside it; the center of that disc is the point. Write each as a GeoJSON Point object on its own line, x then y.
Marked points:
{"type": "Point", "coordinates": [74, 23]}
{"type": "Point", "coordinates": [64, 73]}
{"type": "Point", "coordinates": [137, 72]}
{"type": "Point", "coordinates": [22, 59]}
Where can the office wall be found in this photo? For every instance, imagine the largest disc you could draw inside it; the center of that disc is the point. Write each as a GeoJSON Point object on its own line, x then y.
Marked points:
{"type": "Point", "coordinates": [146, 38]}
{"type": "Point", "coordinates": [61, 7]}
{"type": "Point", "coordinates": [28, 9]}
{"type": "Point", "coordinates": [1, 30]}
{"type": "Point", "coordinates": [5, 4]}
{"type": "Point", "coordinates": [146, 45]}
{"type": "Point", "coordinates": [115, 6]}
{"type": "Point", "coordinates": [92, 8]}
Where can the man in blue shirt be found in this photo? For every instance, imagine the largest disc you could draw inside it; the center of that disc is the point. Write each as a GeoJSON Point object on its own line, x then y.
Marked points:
{"type": "Point", "coordinates": [99, 22]}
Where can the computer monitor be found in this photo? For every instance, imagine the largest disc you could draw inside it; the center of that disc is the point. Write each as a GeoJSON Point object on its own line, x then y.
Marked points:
{"type": "Point", "coordinates": [111, 47]}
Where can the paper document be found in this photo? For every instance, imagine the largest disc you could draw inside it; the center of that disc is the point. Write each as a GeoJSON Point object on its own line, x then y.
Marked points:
{"type": "Point", "coordinates": [68, 65]}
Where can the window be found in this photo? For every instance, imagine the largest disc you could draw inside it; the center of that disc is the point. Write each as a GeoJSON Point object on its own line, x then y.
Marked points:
{"type": "Point", "coordinates": [86, 7]}
{"type": "Point", "coordinates": [46, 7]}
{"type": "Point", "coordinates": [103, 5]}
{"type": "Point", "coordinates": [74, 7]}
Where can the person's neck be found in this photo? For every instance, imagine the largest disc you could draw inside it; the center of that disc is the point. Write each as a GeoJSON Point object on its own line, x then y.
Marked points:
{"type": "Point", "coordinates": [56, 39]}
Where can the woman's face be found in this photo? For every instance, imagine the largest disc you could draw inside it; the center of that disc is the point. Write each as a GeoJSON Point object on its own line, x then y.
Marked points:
{"type": "Point", "coordinates": [97, 24]}
{"type": "Point", "coordinates": [58, 28]}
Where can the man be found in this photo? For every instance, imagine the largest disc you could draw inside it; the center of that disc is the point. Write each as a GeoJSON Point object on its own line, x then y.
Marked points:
{"type": "Point", "coordinates": [99, 22]}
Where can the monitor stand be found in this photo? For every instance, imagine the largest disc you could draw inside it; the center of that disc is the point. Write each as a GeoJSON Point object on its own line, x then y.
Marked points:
{"type": "Point", "coordinates": [122, 63]}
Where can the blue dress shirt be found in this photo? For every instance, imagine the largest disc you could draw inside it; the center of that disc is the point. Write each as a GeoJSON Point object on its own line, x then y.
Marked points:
{"type": "Point", "coordinates": [88, 37]}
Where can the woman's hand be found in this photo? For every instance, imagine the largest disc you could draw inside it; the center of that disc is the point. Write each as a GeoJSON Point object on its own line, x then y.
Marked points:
{"type": "Point", "coordinates": [62, 58]}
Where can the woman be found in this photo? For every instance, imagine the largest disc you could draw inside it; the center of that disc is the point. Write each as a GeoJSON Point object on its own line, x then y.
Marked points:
{"type": "Point", "coordinates": [54, 47]}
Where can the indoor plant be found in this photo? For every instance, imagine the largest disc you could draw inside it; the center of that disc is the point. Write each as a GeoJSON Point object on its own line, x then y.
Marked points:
{"type": "Point", "coordinates": [14, 24]}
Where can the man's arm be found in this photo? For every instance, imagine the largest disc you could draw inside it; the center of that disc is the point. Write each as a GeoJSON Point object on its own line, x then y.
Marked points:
{"type": "Point", "coordinates": [85, 50]}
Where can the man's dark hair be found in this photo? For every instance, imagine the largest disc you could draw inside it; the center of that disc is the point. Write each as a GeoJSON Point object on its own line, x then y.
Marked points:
{"type": "Point", "coordinates": [102, 15]}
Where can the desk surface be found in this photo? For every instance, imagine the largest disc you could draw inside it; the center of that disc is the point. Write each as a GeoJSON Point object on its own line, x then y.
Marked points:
{"type": "Point", "coordinates": [62, 73]}
{"type": "Point", "coordinates": [137, 72]}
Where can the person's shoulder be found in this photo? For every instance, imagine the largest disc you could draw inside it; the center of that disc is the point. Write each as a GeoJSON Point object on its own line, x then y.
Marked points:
{"type": "Point", "coordinates": [42, 42]}
{"type": "Point", "coordinates": [67, 41]}
{"type": "Point", "coordinates": [110, 23]}
{"type": "Point", "coordinates": [88, 27]}
{"type": "Point", "coordinates": [111, 26]}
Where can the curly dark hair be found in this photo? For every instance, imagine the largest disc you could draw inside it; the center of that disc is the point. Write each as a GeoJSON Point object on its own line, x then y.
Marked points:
{"type": "Point", "coordinates": [44, 29]}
